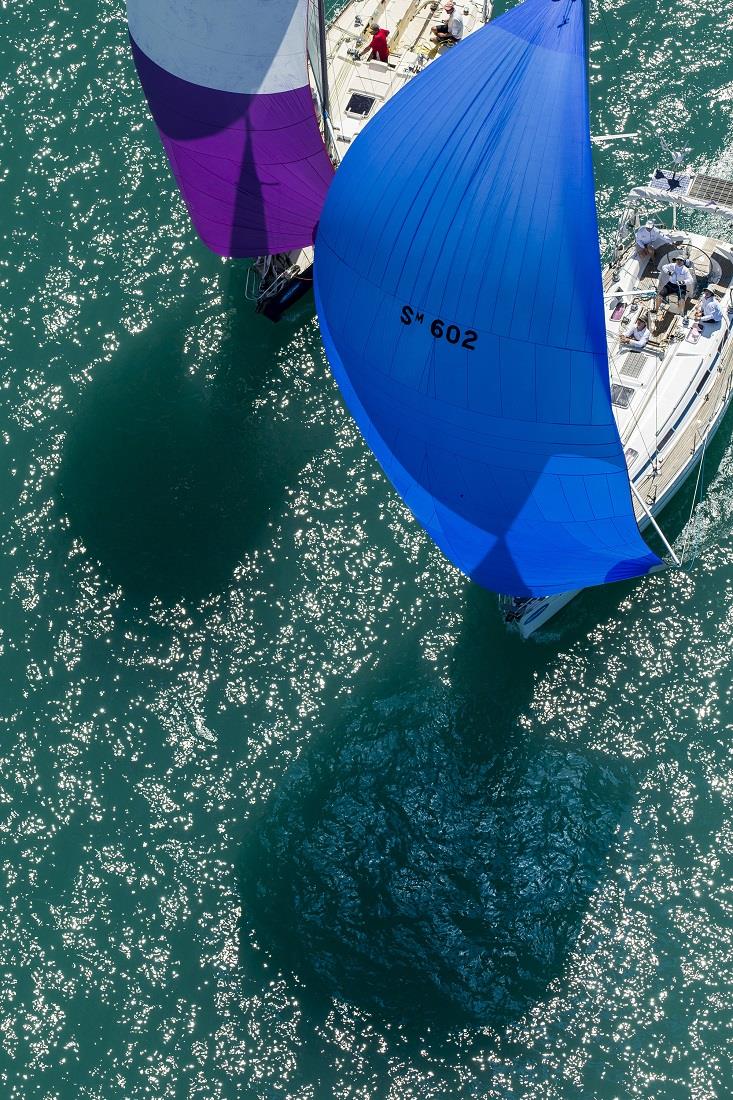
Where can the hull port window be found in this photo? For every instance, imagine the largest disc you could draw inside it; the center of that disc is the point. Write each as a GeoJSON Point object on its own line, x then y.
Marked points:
{"type": "Point", "coordinates": [359, 105]}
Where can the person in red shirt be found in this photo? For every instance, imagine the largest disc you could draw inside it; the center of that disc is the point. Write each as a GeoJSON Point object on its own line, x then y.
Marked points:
{"type": "Point", "coordinates": [378, 45]}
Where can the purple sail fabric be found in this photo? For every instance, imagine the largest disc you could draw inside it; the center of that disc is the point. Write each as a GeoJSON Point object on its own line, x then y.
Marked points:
{"type": "Point", "coordinates": [253, 169]}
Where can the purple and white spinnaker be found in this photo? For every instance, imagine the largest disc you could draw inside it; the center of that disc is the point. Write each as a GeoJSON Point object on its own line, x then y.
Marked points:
{"type": "Point", "coordinates": [227, 85]}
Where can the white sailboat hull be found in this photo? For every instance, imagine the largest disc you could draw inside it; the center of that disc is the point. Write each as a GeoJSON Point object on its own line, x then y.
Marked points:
{"type": "Point", "coordinates": [680, 395]}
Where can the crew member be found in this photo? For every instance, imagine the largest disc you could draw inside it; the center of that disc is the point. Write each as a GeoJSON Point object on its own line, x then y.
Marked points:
{"type": "Point", "coordinates": [452, 29]}
{"type": "Point", "coordinates": [675, 278]}
{"type": "Point", "coordinates": [648, 238]}
{"type": "Point", "coordinates": [638, 337]}
{"type": "Point", "coordinates": [378, 45]}
{"type": "Point", "coordinates": [708, 312]}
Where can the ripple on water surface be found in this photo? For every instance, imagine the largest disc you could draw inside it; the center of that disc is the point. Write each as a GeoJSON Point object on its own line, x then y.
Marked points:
{"type": "Point", "coordinates": [284, 810]}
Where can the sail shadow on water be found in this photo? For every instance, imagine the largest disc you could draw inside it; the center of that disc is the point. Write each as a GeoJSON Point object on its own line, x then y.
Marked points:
{"type": "Point", "coordinates": [429, 884]}
{"type": "Point", "coordinates": [169, 480]}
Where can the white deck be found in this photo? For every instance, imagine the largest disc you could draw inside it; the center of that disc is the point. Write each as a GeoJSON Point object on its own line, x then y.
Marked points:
{"type": "Point", "coordinates": [665, 376]}
{"type": "Point", "coordinates": [411, 48]}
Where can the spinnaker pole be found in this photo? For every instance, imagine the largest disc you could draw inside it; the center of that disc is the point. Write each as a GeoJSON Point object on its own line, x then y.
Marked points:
{"type": "Point", "coordinates": [655, 525]}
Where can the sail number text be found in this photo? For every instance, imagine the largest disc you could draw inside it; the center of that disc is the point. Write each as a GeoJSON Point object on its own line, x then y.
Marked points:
{"type": "Point", "coordinates": [439, 330]}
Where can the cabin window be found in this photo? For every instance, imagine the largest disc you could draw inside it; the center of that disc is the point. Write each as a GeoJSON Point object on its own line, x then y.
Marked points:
{"type": "Point", "coordinates": [701, 384]}
{"type": "Point", "coordinates": [359, 105]}
{"type": "Point", "coordinates": [621, 395]}
{"type": "Point", "coordinates": [631, 454]}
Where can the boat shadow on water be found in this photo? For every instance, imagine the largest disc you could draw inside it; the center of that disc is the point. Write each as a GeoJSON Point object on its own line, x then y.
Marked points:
{"type": "Point", "coordinates": [430, 858]}
{"type": "Point", "coordinates": [169, 478]}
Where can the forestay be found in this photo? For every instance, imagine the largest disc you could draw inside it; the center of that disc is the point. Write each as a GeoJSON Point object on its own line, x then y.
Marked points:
{"type": "Point", "coordinates": [459, 292]}
{"type": "Point", "coordinates": [227, 85]}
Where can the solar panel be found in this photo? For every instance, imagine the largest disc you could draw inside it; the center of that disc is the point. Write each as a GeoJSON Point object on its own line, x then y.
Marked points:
{"type": "Point", "coordinates": [712, 189]}
{"type": "Point", "coordinates": [633, 364]}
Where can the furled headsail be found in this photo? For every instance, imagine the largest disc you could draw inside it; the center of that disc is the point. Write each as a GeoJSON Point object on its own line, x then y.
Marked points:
{"type": "Point", "coordinates": [459, 291]}
{"type": "Point", "coordinates": [227, 85]}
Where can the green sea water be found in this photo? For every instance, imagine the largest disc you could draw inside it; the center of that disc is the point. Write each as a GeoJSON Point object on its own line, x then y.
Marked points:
{"type": "Point", "coordinates": [284, 810]}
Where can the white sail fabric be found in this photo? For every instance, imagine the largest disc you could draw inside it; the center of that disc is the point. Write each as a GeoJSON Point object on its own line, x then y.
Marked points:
{"type": "Point", "coordinates": [249, 46]}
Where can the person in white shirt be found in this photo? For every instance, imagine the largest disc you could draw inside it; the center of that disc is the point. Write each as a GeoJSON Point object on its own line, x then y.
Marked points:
{"type": "Point", "coordinates": [708, 311]}
{"type": "Point", "coordinates": [638, 337]}
{"type": "Point", "coordinates": [648, 239]}
{"type": "Point", "coordinates": [452, 29]}
{"type": "Point", "coordinates": [675, 278]}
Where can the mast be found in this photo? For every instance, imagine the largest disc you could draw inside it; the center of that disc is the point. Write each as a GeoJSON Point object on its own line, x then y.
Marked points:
{"type": "Point", "coordinates": [323, 58]}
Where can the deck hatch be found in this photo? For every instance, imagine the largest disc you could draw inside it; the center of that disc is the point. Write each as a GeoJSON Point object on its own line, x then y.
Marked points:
{"type": "Point", "coordinates": [360, 104]}
{"type": "Point", "coordinates": [621, 395]}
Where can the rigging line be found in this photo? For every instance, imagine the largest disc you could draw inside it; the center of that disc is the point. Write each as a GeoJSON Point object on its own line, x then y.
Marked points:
{"type": "Point", "coordinates": [690, 526]}
{"type": "Point", "coordinates": [611, 56]}
{"type": "Point", "coordinates": [656, 406]}
{"type": "Point", "coordinates": [615, 67]}
{"type": "Point", "coordinates": [698, 523]}
{"type": "Point", "coordinates": [336, 89]}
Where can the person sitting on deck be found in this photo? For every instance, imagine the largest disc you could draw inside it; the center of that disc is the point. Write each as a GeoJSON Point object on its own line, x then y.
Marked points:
{"type": "Point", "coordinates": [708, 312]}
{"type": "Point", "coordinates": [452, 29]}
{"type": "Point", "coordinates": [648, 239]}
{"type": "Point", "coordinates": [636, 338]}
{"type": "Point", "coordinates": [675, 278]}
{"type": "Point", "coordinates": [378, 45]}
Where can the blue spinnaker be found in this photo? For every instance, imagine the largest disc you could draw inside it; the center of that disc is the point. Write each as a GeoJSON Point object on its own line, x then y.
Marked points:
{"type": "Point", "coordinates": [458, 286]}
